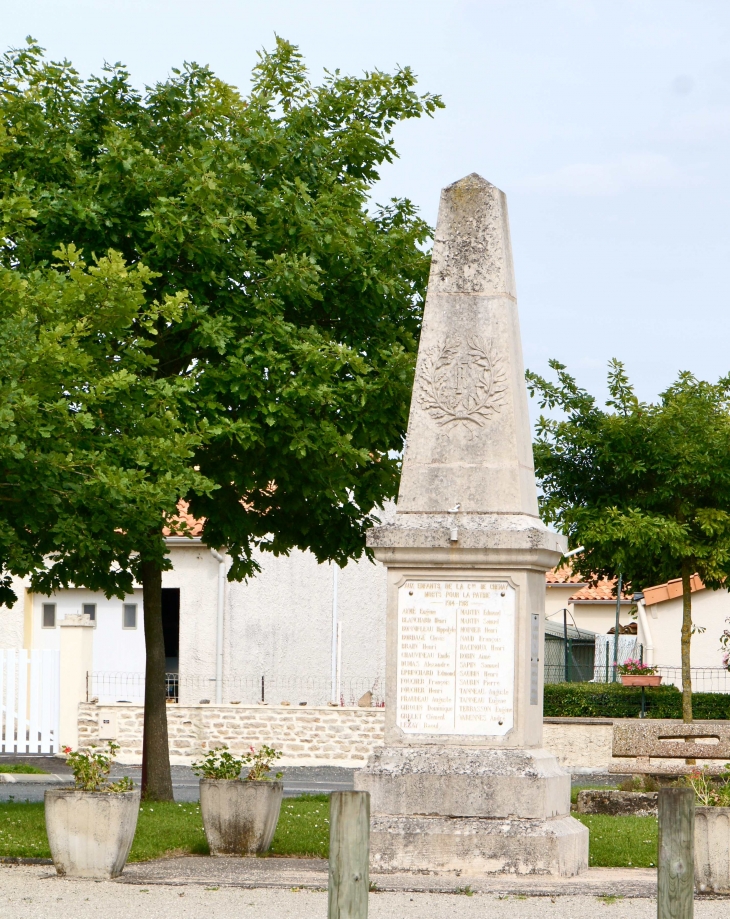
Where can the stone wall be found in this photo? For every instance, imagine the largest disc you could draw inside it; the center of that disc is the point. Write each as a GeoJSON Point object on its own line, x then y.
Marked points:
{"type": "Point", "coordinates": [307, 737]}
{"type": "Point", "coordinates": [311, 736]}
{"type": "Point", "coordinates": [580, 744]}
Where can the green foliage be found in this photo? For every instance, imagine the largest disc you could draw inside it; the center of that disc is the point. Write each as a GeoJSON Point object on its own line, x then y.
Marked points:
{"type": "Point", "coordinates": [613, 700]}
{"type": "Point", "coordinates": [218, 764]}
{"type": "Point", "coordinates": [646, 486]}
{"type": "Point", "coordinates": [710, 791]}
{"type": "Point", "coordinates": [93, 448]}
{"type": "Point", "coordinates": [91, 769]}
{"type": "Point", "coordinates": [221, 764]}
{"type": "Point", "coordinates": [246, 333]}
{"type": "Point", "coordinates": [297, 304]}
{"type": "Point", "coordinates": [260, 762]}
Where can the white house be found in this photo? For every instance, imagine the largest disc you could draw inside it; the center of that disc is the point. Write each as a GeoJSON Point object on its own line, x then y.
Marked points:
{"type": "Point", "coordinates": [302, 632]}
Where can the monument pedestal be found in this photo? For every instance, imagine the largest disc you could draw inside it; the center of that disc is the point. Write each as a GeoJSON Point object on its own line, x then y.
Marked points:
{"type": "Point", "coordinates": [462, 783]}
{"type": "Point", "coordinates": [471, 810]}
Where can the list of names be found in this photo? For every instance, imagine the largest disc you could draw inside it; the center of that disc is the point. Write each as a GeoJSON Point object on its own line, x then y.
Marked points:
{"type": "Point", "coordinates": [455, 657]}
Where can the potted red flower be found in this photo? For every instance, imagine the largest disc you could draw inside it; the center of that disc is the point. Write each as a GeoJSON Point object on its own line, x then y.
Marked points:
{"type": "Point", "coordinates": [634, 673]}
{"type": "Point", "coordinates": [91, 825]}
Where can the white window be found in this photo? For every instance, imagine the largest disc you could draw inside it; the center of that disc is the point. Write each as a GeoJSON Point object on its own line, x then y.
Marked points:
{"type": "Point", "coordinates": [49, 615]}
{"type": "Point", "coordinates": [129, 616]}
{"type": "Point", "coordinates": [89, 609]}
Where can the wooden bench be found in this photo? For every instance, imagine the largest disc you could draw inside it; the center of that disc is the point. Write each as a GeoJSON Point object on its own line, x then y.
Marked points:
{"type": "Point", "coordinates": [647, 739]}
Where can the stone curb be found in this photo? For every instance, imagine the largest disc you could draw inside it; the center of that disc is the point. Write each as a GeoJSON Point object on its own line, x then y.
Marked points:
{"type": "Point", "coordinates": [21, 778]}
{"type": "Point", "coordinates": [312, 874]}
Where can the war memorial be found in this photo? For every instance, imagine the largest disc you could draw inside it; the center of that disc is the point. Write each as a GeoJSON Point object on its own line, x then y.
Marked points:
{"type": "Point", "coordinates": [462, 782]}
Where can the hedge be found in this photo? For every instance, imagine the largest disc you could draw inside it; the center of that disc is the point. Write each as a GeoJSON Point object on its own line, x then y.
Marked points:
{"type": "Point", "coordinates": [614, 700]}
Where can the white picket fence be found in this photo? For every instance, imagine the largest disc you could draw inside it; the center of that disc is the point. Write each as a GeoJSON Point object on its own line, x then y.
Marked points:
{"type": "Point", "coordinates": [29, 701]}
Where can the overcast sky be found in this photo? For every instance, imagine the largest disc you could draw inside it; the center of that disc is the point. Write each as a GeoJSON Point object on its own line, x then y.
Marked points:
{"type": "Point", "coordinates": [606, 122]}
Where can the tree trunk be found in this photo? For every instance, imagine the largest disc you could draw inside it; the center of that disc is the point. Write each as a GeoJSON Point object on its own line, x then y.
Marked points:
{"type": "Point", "coordinates": [156, 776]}
{"type": "Point", "coordinates": [686, 641]}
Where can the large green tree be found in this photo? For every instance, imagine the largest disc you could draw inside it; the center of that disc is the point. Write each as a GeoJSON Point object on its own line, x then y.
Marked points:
{"type": "Point", "coordinates": [303, 301]}
{"type": "Point", "coordinates": [93, 449]}
{"type": "Point", "coordinates": [645, 487]}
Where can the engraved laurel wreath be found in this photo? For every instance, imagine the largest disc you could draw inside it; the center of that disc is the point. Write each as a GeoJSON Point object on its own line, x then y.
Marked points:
{"type": "Point", "coordinates": [462, 382]}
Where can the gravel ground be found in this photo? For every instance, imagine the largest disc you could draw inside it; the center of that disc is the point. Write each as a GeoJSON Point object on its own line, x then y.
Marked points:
{"type": "Point", "coordinates": [32, 893]}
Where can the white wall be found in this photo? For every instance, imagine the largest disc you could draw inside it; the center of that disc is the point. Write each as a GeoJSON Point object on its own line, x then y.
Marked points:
{"type": "Point", "coordinates": [601, 617]}
{"type": "Point", "coordinates": [710, 609]}
{"type": "Point", "coordinates": [12, 618]}
{"type": "Point", "coordinates": [557, 597]}
{"type": "Point", "coordinates": [115, 649]}
{"type": "Point", "coordinates": [279, 624]}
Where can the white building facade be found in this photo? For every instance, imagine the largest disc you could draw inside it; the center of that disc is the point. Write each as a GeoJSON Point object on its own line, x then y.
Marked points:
{"type": "Point", "coordinates": [301, 632]}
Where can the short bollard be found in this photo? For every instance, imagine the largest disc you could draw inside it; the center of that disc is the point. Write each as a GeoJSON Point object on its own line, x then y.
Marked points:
{"type": "Point", "coordinates": [675, 876]}
{"type": "Point", "coordinates": [349, 880]}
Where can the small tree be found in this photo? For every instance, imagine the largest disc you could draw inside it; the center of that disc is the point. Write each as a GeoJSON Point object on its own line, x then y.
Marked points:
{"type": "Point", "coordinates": [645, 487]}
{"type": "Point", "coordinates": [295, 352]}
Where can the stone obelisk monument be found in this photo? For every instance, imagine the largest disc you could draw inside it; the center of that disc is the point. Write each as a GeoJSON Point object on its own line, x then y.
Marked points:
{"type": "Point", "coordinates": [462, 782]}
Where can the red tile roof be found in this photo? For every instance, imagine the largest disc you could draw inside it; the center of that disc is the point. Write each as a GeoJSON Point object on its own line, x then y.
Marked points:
{"type": "Point", "coordinates": [603, 590]}
{"type": "Point", "coordinates": [670, 590]}
{"type": "Point", "coordinates": [562, 575]}
{"type": "Point", "coordinates": [184, 524]}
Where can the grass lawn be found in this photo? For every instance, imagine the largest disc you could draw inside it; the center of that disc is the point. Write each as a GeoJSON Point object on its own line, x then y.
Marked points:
{"type": "Point", "coordinates": [22, 769]}
{"type": "Point", "coordinates": [173, 829]}
{"type": "Point", "coordinates": [304, 827]}
{"type": "Point", "coordinates": [303, 830]}
{"type": "Point", "coordinates": [621, 842]}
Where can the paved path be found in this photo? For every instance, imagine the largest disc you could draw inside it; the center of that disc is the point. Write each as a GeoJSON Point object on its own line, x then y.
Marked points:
{"type": "Point", "coordinates": [34, 893]}
{"type": "Point", "coordinates": [312, 875]}
{"type": "Point", "coordinates": [297, 780]}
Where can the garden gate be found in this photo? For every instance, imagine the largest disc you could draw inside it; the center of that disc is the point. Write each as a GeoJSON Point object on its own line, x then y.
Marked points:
{"type": "Point", "coordinates": [29, 701]}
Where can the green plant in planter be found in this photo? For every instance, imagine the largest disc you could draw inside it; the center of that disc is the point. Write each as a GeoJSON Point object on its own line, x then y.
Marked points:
{"type": "Point", "coordinates": [260, 763]}
{"type": "Point", "coordinates": [221, 764]}
{"type": "Point", "coordinates": [709, 793]}
{"type": "Point", "coordinates": [91, 770]}
{"type": "Point", "coordinates": [218, 764]}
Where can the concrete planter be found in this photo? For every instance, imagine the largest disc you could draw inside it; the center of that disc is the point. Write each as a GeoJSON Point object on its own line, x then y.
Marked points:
{"type": "Point", "coordinates": [712, 849]}
{"type": "Point", "coordinates": [240, 817]}
{"type": "Point", "coordinates": [90, 833]}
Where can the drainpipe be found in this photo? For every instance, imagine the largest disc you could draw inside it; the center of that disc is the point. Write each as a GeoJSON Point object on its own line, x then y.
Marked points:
{"type": "Point", "coordinates": [335, 639]}
{"type": "Point", "coordinates": [221, 559]}
{"type": "Point", "coordinates": [648, 640]}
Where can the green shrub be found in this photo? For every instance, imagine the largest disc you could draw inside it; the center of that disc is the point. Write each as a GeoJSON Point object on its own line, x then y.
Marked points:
{"type": "Point", "coordinates": [614, 700]}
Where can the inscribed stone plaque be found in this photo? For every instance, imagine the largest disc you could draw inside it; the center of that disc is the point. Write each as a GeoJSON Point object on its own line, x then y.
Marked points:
{"type": "Point", "coordinates": [456, 647]}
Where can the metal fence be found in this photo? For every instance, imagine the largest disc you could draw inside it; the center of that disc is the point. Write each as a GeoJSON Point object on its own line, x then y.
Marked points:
{"type": "Point", "coordinates": [109, 687]}
{"type": "Point", "coordinates": [704, 679]}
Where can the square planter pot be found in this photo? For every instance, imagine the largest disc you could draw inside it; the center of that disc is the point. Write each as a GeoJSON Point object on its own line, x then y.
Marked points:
{"type": "Point", "coordinates": [90, 833]}
{"type": "Point", "coordinates": [240, 817]}
{"type": "Point", "coordinates": [636, 679]}
{"type": "Point", "coordinates": [712, 849]}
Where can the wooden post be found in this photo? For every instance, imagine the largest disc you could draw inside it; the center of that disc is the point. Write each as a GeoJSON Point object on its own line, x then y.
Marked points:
{"type": "Point", "coordinates": [349, 878]}
{"type": "Point", "coordinates": [675, 876]}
